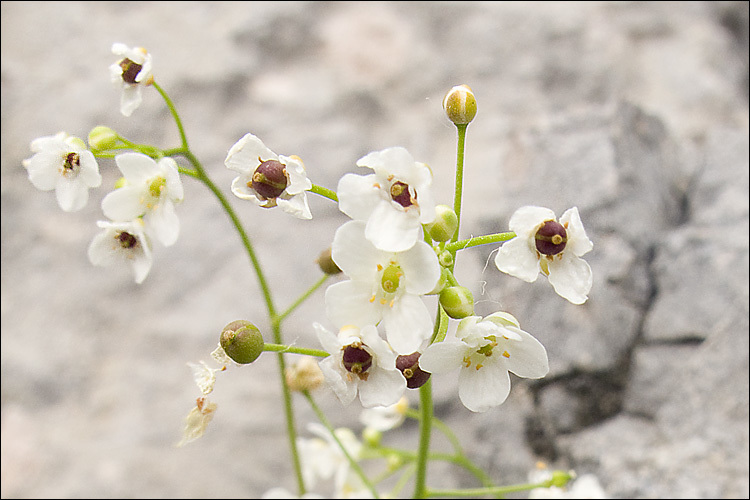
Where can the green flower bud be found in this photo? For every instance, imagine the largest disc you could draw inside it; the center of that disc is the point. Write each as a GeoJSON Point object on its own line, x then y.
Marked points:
{"type": "Point", "coordinates": [560, 478]}
{"type": "Point", "coordinates": [242, 341]}
{"type": "Point", "coordinates": [457, 301]}
{"type": "Point", "coordinates": [445, 224]}
{"type": "Point", "coordinates": [460, 105]}
{"type": "Point", "coordinates": [445, 258]}
{"type": "Point", "coordinates": [102, 138]}
{"type": "Point", "coordinates": [372, 437]}
{"type": "Point", "coordinates": [326, 263]}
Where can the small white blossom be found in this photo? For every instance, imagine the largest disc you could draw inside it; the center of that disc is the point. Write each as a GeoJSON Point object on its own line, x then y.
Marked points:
{"type": "Point", "coordinates": [268, 179]}
{"type": "Point", "coordinates": [131, 72]}
{"type": "Point", "coordinates": [554, 248]}
{"type": "Point", "coordinates": [487, 349]}
{"type": "Point", "coordinates": [321, 457]}
{"type": "Point", "coordinates": [383, 286]}
{"type": "Point", "coordinates": [584, 486]}
{"type": "Point", "coordinates": [360, 362]}
{"type": "Point", "coordinates": [151, 191]}
{"type": "Point", "coordinates": [394, 201]}
{"type": "Point", "coordinates": [385, 418]}
{"type": "Point", "coordinates": [122, 243]}
{"type": "Point", "coordinates": [62, 162]}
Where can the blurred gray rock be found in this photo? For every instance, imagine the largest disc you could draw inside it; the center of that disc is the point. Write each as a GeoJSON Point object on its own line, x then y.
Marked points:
{"type": "Point", "coordinates": [637, 113]}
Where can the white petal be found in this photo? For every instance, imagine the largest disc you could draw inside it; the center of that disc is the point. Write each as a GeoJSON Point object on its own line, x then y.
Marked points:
{"type": "Point", "coordinates": [241, 190]}
{"type": "Point", "coordinates": [382, 388]}
{"type": "Point", "coordinates": [516, 258]}
{"type": "Point", "coordinates": [137, 167]}
{"type": "Point", "coordinates": [164, 223]}
{"type": "Point", "coordinates": [327, 339]}
{"type": "Point", "coordinates": [358, 195]}
{"type": "Point", "coordinates": [346, 391]}
{"type": "Point", "coordinates": [392, 229]}
{"type": "Point", "coordinates": [443, 357]}
{"type": "Point", "coordinates": [295, 205]}
{"type": "Point", "coordinates": [171, 173]}
{"type": "Point", "coordinates": [130, 99]}
{"type": "Point", "coordinates": [72, 194]}
{"type": "Point", "coordinates": [348, 302]}
{"type": "Point", "coordinates": [101, 251]}
{"type": "Point", "coordinates": [245, 154]}
{"type": "Point", "coordinates": [396, 161]}
{"type": "Point", "coordinates": [123, 204]}
{"type": "Point", "coordinates": [407, 323]}
{"type": "Point", "coordinates": [354, 255]}
{"type": "Point", "coordinates": [295, 169]}
{"type": "Point", "coordinates": [89, 172]}
{"type": "Point", "coordinates": [43, 169]}
{"type": "Point", "coordinates": [571, 277]}
{"type": "Point", "coordinates": [485, 388]}
{"type": "Point", "coordinates": [525, 221]}
{"type": "Point", "coordinates": [421, 268]}
{"type": "Point", "coordinates": [385, 357]}
{"type": "Point", "coordinates": [528, 357]}
{"type": "Point", "coordinates": [578, 242]}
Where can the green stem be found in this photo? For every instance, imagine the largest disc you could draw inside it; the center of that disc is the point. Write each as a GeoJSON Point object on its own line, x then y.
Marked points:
{"type": "Point", "coordinates": [425, 431]}
{"type": "Point", "coordinates": [477, 492]}
{"type": "Point", "coordinates": [355, 465]}
{"type": "Point", "coordinates": [459, 175]}
{"type": "Point", "coordinates": [175, 115]}
{"type": "Point", "coordinates": [325, 192]}
{"type": "Point", "coordinates": [302, 298]}
{"type": "Point", "coordinates": [479, 240]}
{"type": "Point", "coordinates": [294, 350]}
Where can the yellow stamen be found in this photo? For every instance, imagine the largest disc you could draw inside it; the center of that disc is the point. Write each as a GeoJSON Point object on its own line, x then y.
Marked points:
{"type": "Point", "coordinates": [506, 354]}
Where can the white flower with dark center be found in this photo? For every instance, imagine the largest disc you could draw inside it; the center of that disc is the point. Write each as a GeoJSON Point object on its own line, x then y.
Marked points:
{"type": "Point", "coordinates": [122, 243]}
{"type": "Point", "coordinates": [542, 244]}
{"type": "Point", "coordinates": [486, 350]}
{"type": "Point", "coordinates": [383, 286]}
{"type": "Point", "coordinates": [131, 72]}
{"type": "Point", "coordinates": [268, 179]}
{"type": "Point", "coordinates": [394, 201]}
{"type": "Point", "coordinates": [150, 190]}
{"type": "Point", "coordinates": [360, 362]}
{"type": "Point", "coordinates": [62, 162]}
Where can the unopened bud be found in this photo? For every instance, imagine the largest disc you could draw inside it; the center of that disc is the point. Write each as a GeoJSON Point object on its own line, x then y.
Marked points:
{"type": "Point", "coordinates": [460, 105]}
{"type": "Point", "coordinates": [445, 224]}
{"type": "Point", "coordinates": [326, 263]}
{"type": "Point", "coordinates": [445, 258]}
{"type": "Point", "coordinates": [242, 341]}
{"type": "Point", "coordinates": [457, 301]}
{"type": "Point", "coordinates": [102, 138]}
{"type": "Point", "coordinates": [372, 437]}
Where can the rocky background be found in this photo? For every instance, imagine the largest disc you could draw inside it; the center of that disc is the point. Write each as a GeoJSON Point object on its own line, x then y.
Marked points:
{"type": "Point", "coordinates": [636, 112]}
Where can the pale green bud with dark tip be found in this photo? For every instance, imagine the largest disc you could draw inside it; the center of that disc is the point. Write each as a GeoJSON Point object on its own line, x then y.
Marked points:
{"type": "Point", "coordinates": [457, 301]}
{"type": "Point", "coordinates": [242, 341]}
{"type": "Point", "coordinates": [102, 138]}
{"type": "Point", "coordinates": [460, 105]}
{"type": "Point", "coordinates": [445, 224]}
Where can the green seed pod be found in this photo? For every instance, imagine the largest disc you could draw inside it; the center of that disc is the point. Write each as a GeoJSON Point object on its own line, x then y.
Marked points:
{"type": "Point", "coordinates": [457, 301]}
{"type": "Point", "coordinates": [460, 105]}
{"type": "Point", "coordinates": [242, 341]}
{"type": "Point", "coordinates": [445, 224]}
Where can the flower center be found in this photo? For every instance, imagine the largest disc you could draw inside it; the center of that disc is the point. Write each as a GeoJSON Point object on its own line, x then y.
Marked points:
{"type": "Point", "coordinates": [157, 185]}
{"type": "Point", "coordinates": [130, 70]}
{"type": "Point", "coordinates": [357, 360]}
{"type": "Point", "coordinates": [401, 195]}
{"type": "Point", "coordinates": [72, 164]}
{"type": "Point", "coordinates": [391, 278]}
{"type": "Point", "coordinates": [127, 240]}
{"type": "Point", "coordinates": [269, 179]}
{"type": "Point", "coordinates": [551, 238]}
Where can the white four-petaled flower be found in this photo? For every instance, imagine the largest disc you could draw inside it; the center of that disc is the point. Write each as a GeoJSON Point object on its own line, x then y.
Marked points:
{"type": "Point", "coordinates": [487, 349]}
{"type": "Point", "coordinates": [131, 72]}
{"type": "Point", "coordinates": [151, 189]}
{"type": "Point", "coordinates": [122, 243]}
{"type": "Point", "coordinates": [268, 179]}
{"type": "Point", "coordinates": [360, 362]}
{"type": "Point", "coordinates": [394, 201]}
{"type": "Point", "coordinates": [383, 286]}
{"type": "Point", "coordinates": [554, 248]}
{"type": "Point", "coordinates": [62, 162]}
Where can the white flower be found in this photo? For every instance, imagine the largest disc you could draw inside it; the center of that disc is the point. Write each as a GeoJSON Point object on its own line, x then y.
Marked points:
{"type": "Point", "coordinates": [321, 457]}
{"type": "Point", "coordinates": [131, 72]}
{"type": "Point", "coordinates": [554, 248]}
{"type": "Point", "coordinates": [487, 349]}
{"type": "Point", "coordinates": [62, 162]}
{"type": "Point", "coordinates": [394, 201]}
{"type": "Point", "coordinates": [151, 190]}
{"type": "Point", "coordinates": [584, 486]}
{"type": "Point", "coordinates": [385, 418]}
{"type": "Point", "coordinates": [382, 286]}
{"type": "Point", "coordinates": [122, 242]}
{"type": "Point", "coordinates": [360, 362]}
{"type": "Point", "coordinates": [268, 179]}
